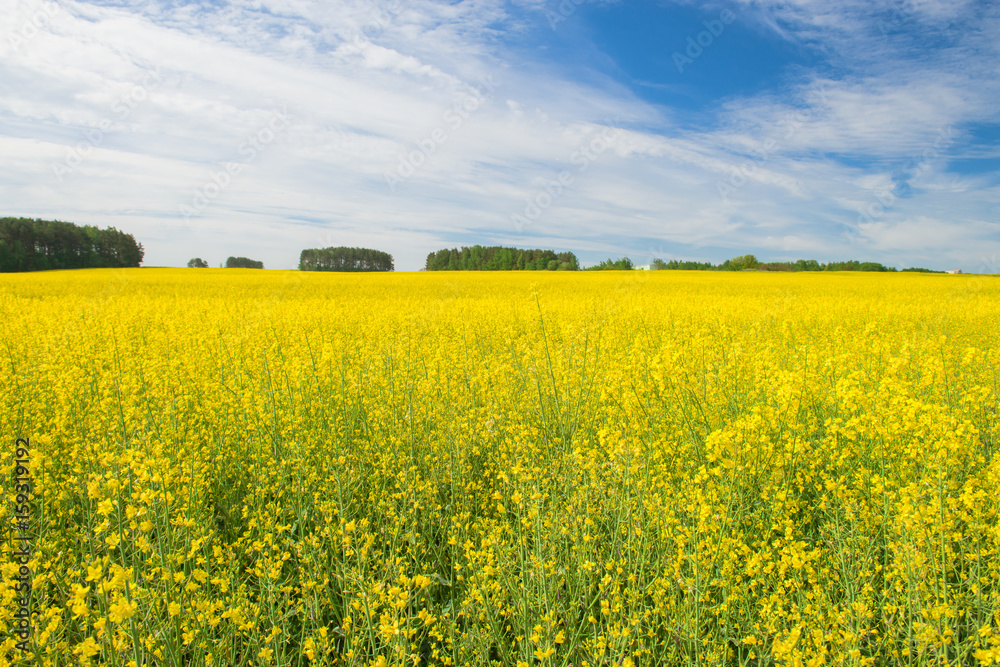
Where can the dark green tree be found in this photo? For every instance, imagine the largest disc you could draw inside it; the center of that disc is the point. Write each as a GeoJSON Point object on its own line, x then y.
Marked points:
{"type": "Point", "coordinates": [751, 262]}
{"type": "Point", "coordinates": [623, 264]}
{"type": "Point", "coordinates": [243, 263]}
{"type": "Point", "coordinates": [345, 259]}
{"type": "Point", "coordinates": [38, 245]}
{"type": "Point", "coordinates": [741, 263]}
{"type": "Point", "coordinates": [499, 258]}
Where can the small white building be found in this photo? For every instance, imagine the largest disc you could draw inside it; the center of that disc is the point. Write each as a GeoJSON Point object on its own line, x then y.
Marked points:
{"type": "Point", "coordinates": [956, 272]}
{"type": "Point", "coordinates": [643, 267]}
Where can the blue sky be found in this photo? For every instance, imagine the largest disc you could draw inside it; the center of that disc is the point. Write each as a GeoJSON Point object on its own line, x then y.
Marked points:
{"type": "Point", "coordinates": [817, 129]}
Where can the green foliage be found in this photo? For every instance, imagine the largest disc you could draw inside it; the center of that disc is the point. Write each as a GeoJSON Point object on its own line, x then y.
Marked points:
{"type": "Point", "coordinates": [741, 263]}
{"type": "Point", "coordinates": [745, 262]}
{"type": "Point", "coordinates": [345, 259]}
{"type": "Point", "coordinates": [40, 245]}
{"type": "Point", "coordinates": [799, 265]}
{"type": "Point", "coordinates": [623, 264]}
{"type": "Point", "coordinates": [243, 263]}
{"type": "Point", "coordinates": [499, 258]}
{"type": "Point", "coordinates": [197, 263]}
{"type": "Point", "coordinates": [676, 265]}
{"type": "Point", "coordinates": [916, 270]}
{"type": "Point", "coordinates": [855, 265]}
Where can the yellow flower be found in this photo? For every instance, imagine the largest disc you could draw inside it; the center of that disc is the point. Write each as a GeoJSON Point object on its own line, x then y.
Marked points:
{"type": "Point", "coordinates": [541, 654]}
{"type": "Point", "coordinates": [122, 611]}
{"type": "Point", "coordinates": [88, 648]}
{"type": "Point", "coordinates": [439, 454]}
{"type": "Point", "coordinates": [987, 656]}
{"type": "Point", "coordinates": [80, 592]}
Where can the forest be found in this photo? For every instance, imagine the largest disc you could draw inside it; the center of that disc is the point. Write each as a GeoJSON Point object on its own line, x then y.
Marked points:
{"type": "Point", "coordinates": [499, 258]}
{"type": "Point", "coordinates": [345, 259]}
{"type": "Point", "coordinates": [242, 263]}
{"type": "Point", "coordinates": [40, 245]}
{"type": "Point", "coordinates": [750, 263]}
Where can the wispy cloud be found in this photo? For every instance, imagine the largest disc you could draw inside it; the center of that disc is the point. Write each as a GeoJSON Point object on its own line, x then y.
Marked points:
{"type": "Point", "coordinates": [365, 85]}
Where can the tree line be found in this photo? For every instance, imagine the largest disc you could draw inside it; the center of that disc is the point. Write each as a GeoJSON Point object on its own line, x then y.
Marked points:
{"type": "Point", "coordinates": [40, 245]}
{"type": "Point", "coordinates": [345, 259]}
{"type": "Point", "coordinates": [750, 262]}
{"type": "Point", "coordinates": [231, 263]}
{"type": "Point", "coordinates": [243, 263]}
{"type": "Point", "coordinates": [623, 264]}
{"type": "Point", "coordinates": [499, 258]}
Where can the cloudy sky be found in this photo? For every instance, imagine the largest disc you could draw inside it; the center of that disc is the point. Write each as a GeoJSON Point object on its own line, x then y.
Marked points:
{"type": "Point", "coordinates": [825, 129]}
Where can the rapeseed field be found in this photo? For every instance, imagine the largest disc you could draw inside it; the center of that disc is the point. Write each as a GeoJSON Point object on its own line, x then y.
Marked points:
{"type": "Point", "coordinates": [238, 467]}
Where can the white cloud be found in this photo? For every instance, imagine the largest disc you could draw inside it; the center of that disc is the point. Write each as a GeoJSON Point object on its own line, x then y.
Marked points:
{"type": "Point", "coordinates": [367, 85]}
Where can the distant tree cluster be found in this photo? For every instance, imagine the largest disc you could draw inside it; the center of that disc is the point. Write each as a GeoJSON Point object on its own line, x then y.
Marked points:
{"type": "Point", "coordinates": [789, 267]}
{"type": "Point", "coordinates": [749, 262]}
{"type": "Point", "coordinates": [499, 258]}
{"type": "Point", "coordinates": [345, 259]}
{"type": "Point", "coordinates": [741, 263]}
{"type": "Point", "coordinates": [243, 263]}
{"type": "Point", "coordinates": [676, 265]}
{"type": "Point", "coordinates": [197, 263]}
{"type": "Point", "coordinates": [623, 264]}
{"type": "Point", "coordinates": [40, 245]}
{"type": "Point", "coordinates": [855, 265]}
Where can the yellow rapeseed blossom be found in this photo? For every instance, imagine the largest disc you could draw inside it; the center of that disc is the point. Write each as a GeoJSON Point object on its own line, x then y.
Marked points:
{"type": "Point", "coordinates": [516, 469]}
{"type": "Point", "coordinates": [122, 611]}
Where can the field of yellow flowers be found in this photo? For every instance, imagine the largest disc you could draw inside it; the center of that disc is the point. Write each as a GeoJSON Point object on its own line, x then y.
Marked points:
{"type": "Point", "coordinates": [560, 469]}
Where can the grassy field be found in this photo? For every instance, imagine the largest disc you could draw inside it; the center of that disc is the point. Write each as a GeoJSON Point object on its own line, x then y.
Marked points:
{"type": "Point", "coordinates": [280, 468]}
